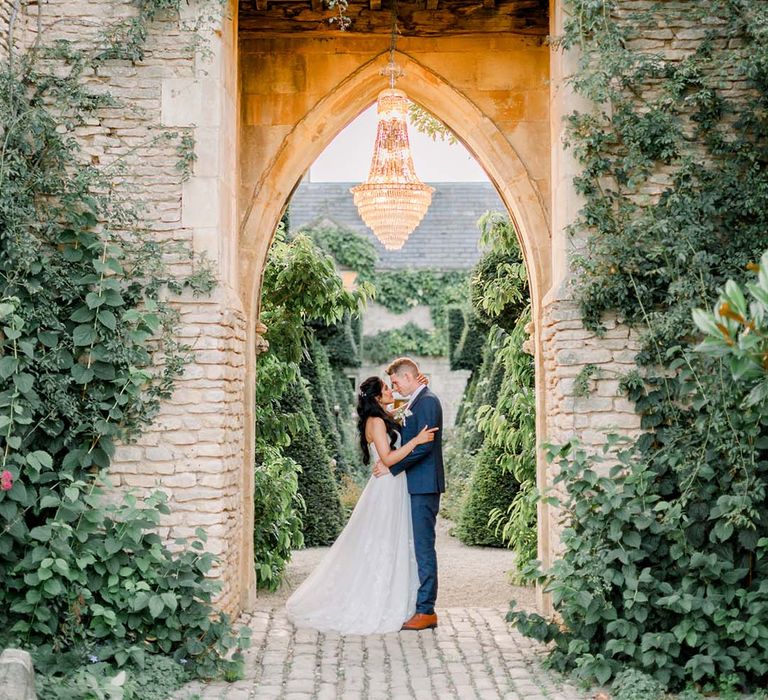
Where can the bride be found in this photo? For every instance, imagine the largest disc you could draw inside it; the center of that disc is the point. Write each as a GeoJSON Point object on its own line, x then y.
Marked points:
{"type": "Point", "coordinates": [367, 582]}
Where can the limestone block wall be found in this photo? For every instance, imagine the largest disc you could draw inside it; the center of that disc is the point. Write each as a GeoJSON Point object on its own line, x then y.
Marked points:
{"type": "Point", "coordinates": [195, 449]}
{"type": "Point", "coordinates": [6, 12]}
{"type": "Point", "coordinates": [567, 349]}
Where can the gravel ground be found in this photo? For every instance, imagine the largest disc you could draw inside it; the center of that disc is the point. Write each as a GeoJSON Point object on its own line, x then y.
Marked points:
{"type": "Point", "coordinates": [468, 576]}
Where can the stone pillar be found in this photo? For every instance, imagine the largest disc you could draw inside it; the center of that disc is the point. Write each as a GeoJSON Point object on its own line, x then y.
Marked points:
{"type": "Point", "coordinates": [195, 450]}
{"type": "Point", "coordinates": [567, 347]}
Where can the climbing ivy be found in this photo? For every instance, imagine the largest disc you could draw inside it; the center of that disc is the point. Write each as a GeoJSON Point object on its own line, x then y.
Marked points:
{"type": "Point", "coordinates": [87, 352]}
{"type": "Point", "coordinates": [664, 562]}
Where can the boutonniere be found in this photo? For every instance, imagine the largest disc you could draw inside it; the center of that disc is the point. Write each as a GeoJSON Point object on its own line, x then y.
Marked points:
{"type": "Point", "coordinates": [400, 414]}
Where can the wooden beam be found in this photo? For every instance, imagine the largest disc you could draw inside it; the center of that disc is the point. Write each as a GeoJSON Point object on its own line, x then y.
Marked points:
{"type": "Point", "coordinates": [525, 17]}
{"type": "Point", "coordinates": [431, 4]}
{"type": "Point", "coordinates": [375, 4]}
{"type": "Point", "coordinates": [489, 4]}
{"type": "Point", "coordinates": [317, 5]}
{"type": "Point", "coordinates": [261, 4]}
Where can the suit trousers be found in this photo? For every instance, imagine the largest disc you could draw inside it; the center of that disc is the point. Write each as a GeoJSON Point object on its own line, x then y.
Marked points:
{"type": "Point", "coordinates": [424, 509]}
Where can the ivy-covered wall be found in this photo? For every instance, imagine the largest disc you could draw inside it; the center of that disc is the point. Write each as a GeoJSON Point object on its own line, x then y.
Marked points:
{"type": "Point", "coordinates": [172, 154]}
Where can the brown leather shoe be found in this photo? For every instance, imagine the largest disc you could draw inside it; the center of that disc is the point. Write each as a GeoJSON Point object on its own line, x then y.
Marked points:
{"type": "Point", "coordinates": [420, 621]}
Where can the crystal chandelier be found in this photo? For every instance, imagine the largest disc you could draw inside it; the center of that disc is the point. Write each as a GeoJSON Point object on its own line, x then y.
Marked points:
{"type": "Point", "coordinates": [392, 201]}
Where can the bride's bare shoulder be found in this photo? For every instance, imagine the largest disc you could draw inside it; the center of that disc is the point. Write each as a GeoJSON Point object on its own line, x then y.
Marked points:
{"type": "Point", "coordinates": [373, 424]}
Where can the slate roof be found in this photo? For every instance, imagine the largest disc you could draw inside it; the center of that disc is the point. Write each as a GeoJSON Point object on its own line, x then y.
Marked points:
{"type": "Point", "coordinates": [446, 239]}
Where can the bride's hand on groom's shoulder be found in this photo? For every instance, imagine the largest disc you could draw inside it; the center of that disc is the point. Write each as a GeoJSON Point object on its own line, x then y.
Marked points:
{"type": "Point", "coordinates": [422, 379]}
{"type": "Point", "coordinates": [380, 469]}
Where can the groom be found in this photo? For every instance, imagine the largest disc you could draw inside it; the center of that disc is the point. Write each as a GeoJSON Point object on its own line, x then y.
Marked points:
{"type": "Point", "coordinates": [426, 481]}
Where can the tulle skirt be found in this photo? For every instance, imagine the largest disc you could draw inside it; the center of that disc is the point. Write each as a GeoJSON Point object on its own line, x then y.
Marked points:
{"type": "Point", "coordinates": [368, 580]}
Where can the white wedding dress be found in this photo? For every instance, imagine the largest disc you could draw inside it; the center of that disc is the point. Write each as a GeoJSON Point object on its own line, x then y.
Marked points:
{"type": "Point", "coordinates": [367, 582]}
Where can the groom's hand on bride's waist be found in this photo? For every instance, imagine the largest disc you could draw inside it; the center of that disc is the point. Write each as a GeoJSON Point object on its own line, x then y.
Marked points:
{"type": "Point", "coordinates": [380, 469]}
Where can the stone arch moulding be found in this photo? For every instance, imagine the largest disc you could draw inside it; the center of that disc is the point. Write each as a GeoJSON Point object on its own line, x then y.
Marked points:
{"type": "Point", "coordinates": [264, 205]}
{"type": "Point", "coordinates": [342, 105]}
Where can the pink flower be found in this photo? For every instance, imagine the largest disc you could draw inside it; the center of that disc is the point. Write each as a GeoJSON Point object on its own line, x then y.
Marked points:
{"type": "Point", "coordinates": [6, 481]}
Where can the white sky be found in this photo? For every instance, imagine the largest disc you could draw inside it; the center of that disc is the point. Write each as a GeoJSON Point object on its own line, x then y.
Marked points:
{"type": "Point", "coordinates": [348, 157]}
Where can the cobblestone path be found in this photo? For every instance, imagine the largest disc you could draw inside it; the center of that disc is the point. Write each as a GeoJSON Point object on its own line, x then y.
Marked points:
{"type": "Point", "coordinates": [473, 653]}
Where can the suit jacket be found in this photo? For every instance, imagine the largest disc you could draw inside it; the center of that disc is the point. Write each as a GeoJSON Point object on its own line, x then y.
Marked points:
{"type": "Point", "coordinates": [424, 466]}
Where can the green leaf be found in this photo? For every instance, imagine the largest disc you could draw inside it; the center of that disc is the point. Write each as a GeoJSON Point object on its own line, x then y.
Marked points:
{"type": "Point", "coordinates": [8, 365]}
{"type": "Point", "coordinates": [24, 382]}
{"type": "Point", "coordinates": [42, 533]}
{"type": "Point", "coordinates": [6, 310]}
{"type": "Point", "coordinates": [94, 300]}
{"type": "Point", "coordinates": [72, 493]}
{"type": "Point", "coordinates": [50, 500]}
{"type": "Point", "coordinates": [84, 314]}
{"type": "Point", "coordinates": [107, 319]}
{"type": "Point", "coordinates": [156, 605]}
{"type": "Point", "coordinates": [84, 335]}
{"type": "Point", "coordinates": [82, 374]}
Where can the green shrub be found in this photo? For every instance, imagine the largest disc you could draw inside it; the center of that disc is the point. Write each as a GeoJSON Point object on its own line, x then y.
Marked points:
{"type": "Point", "coordinates": [490, 487]}
{"type": "Point", "coordinates": [348, 248]}
{"type": "Point", "coordinates": [316, 370]}
{"type": "Point", "coordinates": [632, 684]}
{"type": "Point", "coordinates": [487, 390]}
{"type": "Point", "coordinates": [459, 466]}
{"type": "Point", "coordinates": [323, 518]}
{"type": "Point", "coordinates": [410, 339]}
{"type": "Point", "coordinates": [468, 353]}
{"type": "Point", "coordinates": [155, 677]}
{"type": "Point", "coordinates": [466, 400]}
{"type": "Point", "coordinates": [499, 281]}
{"type": "Point", "coordinates": [400, 290]}
{"type": "Point", "coordinates": [278, 513]}
{"type": "Point", "coordinates": [344, 414]}
{"type": "Point", "coordinates": [510, 426]}
{"type": "Point", "coordinates": [454, 322]}
{"type": "Point", "coordinates": [84, 291]}
{"type": "Point", "coordinates": [340, 342]}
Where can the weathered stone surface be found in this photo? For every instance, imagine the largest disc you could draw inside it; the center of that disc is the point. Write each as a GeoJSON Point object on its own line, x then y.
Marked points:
{"type": "Point", "coordinates": [17, 675]}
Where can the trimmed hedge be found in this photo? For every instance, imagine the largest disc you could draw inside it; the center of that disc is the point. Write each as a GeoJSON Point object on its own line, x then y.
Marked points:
{"type": "Point", "coordinates": [490, 380]}
{"type": "Point", "coordinates": [323, 518]}
{"type": "Point", "coordinates": [490, 487]}
{"type": "Point", "coordinates": [454, 321]}
{"type": "Point", "coordinates": [316, 369]}
{"type": "Point", "coordinates": [468, 353]}
{"type": "Point", "coordinates": [340, 343]}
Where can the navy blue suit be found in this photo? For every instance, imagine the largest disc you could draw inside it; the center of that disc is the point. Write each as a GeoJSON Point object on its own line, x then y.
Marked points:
{"type": "Point", "coordinates": [426, 481]}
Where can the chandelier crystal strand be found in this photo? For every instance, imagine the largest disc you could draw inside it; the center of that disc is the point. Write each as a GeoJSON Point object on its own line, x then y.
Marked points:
{"type": "Point", "coordinates": [393, 200]}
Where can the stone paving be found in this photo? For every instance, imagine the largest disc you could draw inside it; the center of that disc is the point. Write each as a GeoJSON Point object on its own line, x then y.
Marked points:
{"type": "Point", "coordinates": [473, 653]}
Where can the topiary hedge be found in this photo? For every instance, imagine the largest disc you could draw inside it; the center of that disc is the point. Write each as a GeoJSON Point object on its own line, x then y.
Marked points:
{"type": "Point", "coordinates": [323, 518]}
{"type": "Point", "coordinates": [454, 321]}
{"type": "Point", "coordinates": [317, 371]}
{"type": "Point", "coordinates": [490, 488]}
{"type": "Point", "coordinates": [340, 342]}
{"type": "Point", "coordinates": [468, 353]}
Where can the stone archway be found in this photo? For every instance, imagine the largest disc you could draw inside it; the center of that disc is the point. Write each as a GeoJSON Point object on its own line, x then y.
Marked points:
{"type": "Point", "coordinates": [263, 200]}
{"type": "Point", "coordinates": [260, 106]}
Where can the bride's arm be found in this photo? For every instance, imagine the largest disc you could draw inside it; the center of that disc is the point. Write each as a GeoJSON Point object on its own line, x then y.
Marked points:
{"type": "Point", "coordinates": [381, 440]}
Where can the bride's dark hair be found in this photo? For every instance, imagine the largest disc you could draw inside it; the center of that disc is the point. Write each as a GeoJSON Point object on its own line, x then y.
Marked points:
{"type": "Point", "coordinates": [368, 406]}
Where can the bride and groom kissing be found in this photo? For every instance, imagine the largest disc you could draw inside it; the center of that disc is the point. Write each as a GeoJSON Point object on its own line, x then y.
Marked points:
{"type": "Point", "coordinates": [380, 575]}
